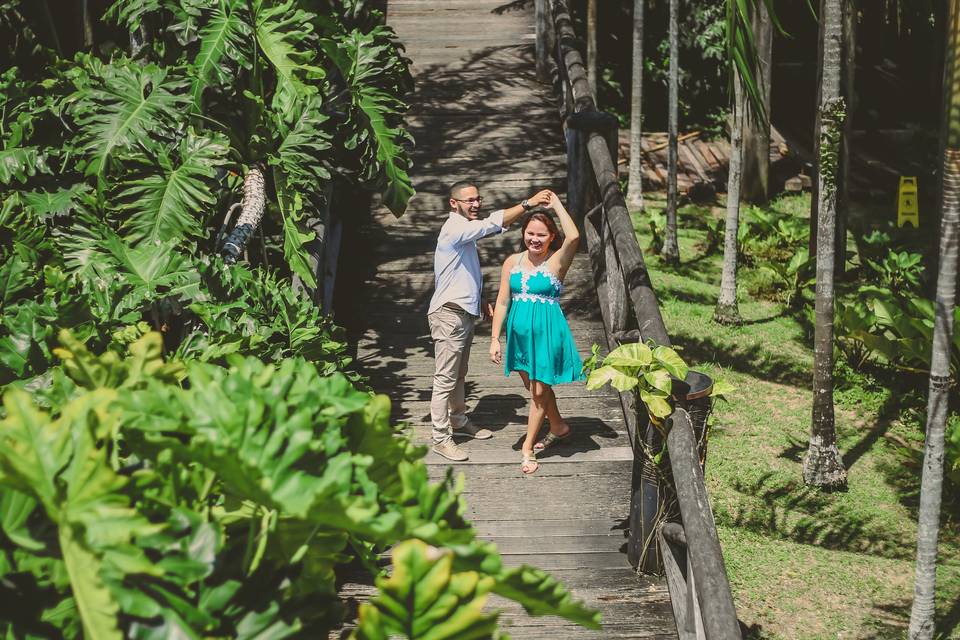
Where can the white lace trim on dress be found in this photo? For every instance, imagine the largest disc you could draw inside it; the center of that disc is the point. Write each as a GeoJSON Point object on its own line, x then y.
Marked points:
{"type": "Point", "coordinates": [526, 274]}
{"type": "Point", "coordinates": [534, 297]}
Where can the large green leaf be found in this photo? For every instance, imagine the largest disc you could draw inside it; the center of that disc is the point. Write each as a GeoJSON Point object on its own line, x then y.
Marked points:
{"type": "Point", "coordinates": [19, 163]}
{"type": "Point", "coordinates": [303, 151]}
{"type": "Point", "coordinates": [291, 205]}
{"type": "Point", "coordinates": [15, 276]}
{"type": "Point", "coordinates": [631, 355]}
{"type": "Point", "coordinates": [367, 63]}
{"type": "Point", "coordinates": [284, 33]}
{"type": "Point", "coordinates": [170, 204]}
{"type": "Point", "coordinates": [619, 380]}
{"type": "Point", "coordinates": [669, 360]}
{"type": "Point", "coordinates": [123, 106]}
{"type": "Point", "coordinates": [224, 37]}
{"type": "Point", "coordinates": [42, 205]}
{"type": "Point", "coordinates": [542, 594]}
{"type": "Point", "coordinates": [425, 599]}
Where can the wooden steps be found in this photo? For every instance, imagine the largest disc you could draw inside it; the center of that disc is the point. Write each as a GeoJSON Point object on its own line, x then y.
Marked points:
{"type": "Point", "coordinates": [477, 112]}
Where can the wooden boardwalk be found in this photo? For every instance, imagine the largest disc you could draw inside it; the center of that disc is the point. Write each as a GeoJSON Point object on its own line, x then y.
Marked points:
{"type": "Point", "coordinates": [479, 112]}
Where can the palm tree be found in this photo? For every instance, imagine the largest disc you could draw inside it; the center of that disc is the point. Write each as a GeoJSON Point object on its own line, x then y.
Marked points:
{"type": "Point", "coordinates": [635, 184]}
{"type": "Point", "coordinates": [931, 483]}
{"type": "Point", "coordinates": [671, 250]}
{"type": "Point", "coordinates": [822, 465]}
{"type": "Point", "coordinates": [756, 138]}
{"type": "Point", "coordinates": [727, 311]}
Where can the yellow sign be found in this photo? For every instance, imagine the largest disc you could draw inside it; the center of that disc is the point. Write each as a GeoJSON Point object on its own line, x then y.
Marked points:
{"type": "Point", "coordinates": [907, 211]}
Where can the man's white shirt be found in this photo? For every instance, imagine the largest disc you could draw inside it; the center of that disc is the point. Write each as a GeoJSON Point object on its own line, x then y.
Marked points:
{"type": "Point", "coordinates": [456, 263]}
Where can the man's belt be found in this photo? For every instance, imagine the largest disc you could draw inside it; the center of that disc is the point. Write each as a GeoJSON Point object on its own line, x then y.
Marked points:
{"type": "Point", "coordinates": [453, 306]}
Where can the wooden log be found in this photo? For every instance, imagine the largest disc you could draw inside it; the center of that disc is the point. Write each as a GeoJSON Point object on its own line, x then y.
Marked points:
{"type": "Point", "coordinates": [703, 546]}
{"type": "Point", "coordinates": [636, 277]}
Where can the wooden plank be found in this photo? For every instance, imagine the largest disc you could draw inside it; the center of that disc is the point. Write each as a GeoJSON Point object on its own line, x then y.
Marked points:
{"type": "Point", "coordinates": [493, 456]}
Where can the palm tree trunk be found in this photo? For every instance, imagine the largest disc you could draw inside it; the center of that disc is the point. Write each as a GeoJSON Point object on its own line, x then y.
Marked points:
{"type": "Point", "coordinates": [592, 47]}
{"type": "Point", "coordinates": [931, 483]}
{"type": "Point", "coordinates": [671, 250]}
{"type": "Point", "coordinates": [815, 186]}
{"type": "Point", "coordinates": [823, 466]}
{"type": "Point", "coordinates": [635, 184]}
{"type": "Point", "coordinates": [843, 186]}
{"type": "Point", "coordinates": [727, 311]}
{"type": "Point", "coordinates": [756, 138]}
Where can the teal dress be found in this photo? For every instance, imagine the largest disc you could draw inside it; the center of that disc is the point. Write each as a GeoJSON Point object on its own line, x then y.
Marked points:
{"type": "Point", "coordinates": [538, 336]}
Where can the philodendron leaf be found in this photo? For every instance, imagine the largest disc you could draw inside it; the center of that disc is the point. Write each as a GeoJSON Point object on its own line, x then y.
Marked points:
{"type": "Point", "coordinates": [656, 402]}
{"type": "Point", "coordinates": [542, 594]}
{"type": "Point", "coordinates": [722, 388]}
{"type": "Point", "coordinates": [619, 380]}
{"type": "Point", "coordinates": [659, 379]}
{"type": "Point", "coordinates": [670, 361]}
{"type": "Point", "coordinates": [425, 599]}
{"type": "Point", "coordinates": [633, 354]}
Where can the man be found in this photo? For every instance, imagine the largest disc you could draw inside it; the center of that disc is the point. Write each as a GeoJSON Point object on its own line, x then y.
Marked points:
{"type": "Point", "coordinates": [455, 308]}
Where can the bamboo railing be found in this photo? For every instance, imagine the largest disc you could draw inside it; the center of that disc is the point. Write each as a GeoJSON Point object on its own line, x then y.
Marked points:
{"type": "Point", "coordinates": [672, 528]}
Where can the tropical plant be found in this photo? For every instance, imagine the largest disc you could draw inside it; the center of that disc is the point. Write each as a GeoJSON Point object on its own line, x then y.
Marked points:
{"type": "Point", "coordinates": [272, 99]}
{"type": "Point", "coordinates": [132, 505]}
{"type": "Point", "coordinates": [648, 368]}
{"type": "Point", "coordinates": [793, 277]}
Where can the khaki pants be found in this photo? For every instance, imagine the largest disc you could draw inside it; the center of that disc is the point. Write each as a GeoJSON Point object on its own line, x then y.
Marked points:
{"type": "Point", "coordinates": [452, 334]}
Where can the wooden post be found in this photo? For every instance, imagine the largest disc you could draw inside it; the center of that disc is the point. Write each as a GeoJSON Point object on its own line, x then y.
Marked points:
{"type": "Point", "coordinates": [578, 175]}
{"type": "Point", "coordinates": [581, 183]}
{"type": "Point", "coordinates": [331, 256]}
{"type": "Point", "coordinates": [543, 20]}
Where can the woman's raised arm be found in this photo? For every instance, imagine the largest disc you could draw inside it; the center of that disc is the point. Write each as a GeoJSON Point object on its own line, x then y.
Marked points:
{"type": "Point", "coordinates": [571, 238]}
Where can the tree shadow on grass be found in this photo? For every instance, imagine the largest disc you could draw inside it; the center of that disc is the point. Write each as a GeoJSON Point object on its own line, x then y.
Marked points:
{"type": "Point", "coordinates": [754, 360]}
{"type": "Point", "coordinates": [893, 619]}
{"type": "Point", "coordinates": [783, 507]}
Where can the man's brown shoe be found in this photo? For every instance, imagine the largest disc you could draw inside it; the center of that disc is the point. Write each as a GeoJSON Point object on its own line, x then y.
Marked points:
{"type": "Point", "coordinates": [471, 430]}
{"type": "Point", "coordinates": [449, 450]}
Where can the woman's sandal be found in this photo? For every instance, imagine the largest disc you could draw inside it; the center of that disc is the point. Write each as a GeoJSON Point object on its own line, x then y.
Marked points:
{"type": "Point", "coordinates": [529, 459]}
{"type": "Point", "coordinates": [551, 439]}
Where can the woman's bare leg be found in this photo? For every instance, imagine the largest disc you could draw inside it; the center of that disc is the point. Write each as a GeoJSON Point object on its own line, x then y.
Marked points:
{"type": "Point", "coordinates": [539, 399]}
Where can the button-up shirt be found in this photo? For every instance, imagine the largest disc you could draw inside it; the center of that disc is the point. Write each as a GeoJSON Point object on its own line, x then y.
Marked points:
{"type": "Point", "coordinates": [456, 263]}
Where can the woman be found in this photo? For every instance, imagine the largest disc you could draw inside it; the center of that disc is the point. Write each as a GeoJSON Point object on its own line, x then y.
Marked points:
{"type": "Point", "coordinates": [539, 345]}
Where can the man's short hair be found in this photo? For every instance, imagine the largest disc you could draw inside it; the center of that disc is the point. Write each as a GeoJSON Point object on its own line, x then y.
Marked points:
{"type": "Point", "coordinates": [456, 187]}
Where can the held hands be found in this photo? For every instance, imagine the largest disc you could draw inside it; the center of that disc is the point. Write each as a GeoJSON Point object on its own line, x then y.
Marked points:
{"type": "Point", "coordinates": [496, 352]}
{"type": "Point", "coordinates": [553, 201]}
{"type": "Point", "coordinates": [541, 199]}
{"type": "Point", "coordinates": [486, 310]}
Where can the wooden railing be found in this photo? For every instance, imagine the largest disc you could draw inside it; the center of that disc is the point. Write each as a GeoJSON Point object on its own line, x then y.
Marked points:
{"type": "Point", "coordinates": [671, 524]}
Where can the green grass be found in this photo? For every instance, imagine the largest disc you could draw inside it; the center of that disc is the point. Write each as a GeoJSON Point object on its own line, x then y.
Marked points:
{"type": "Point", "coordinates": [802, 563]}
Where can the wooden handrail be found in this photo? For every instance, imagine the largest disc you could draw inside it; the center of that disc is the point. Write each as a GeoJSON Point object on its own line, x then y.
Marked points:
{"type": "Point", "coordinates": [703, 546]}
{"type": "Point", "coordinates": [703, 604]}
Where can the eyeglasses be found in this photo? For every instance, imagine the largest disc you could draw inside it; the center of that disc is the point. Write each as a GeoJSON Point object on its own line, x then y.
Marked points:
{"type": "Point", "coordinates": [477, 200]}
